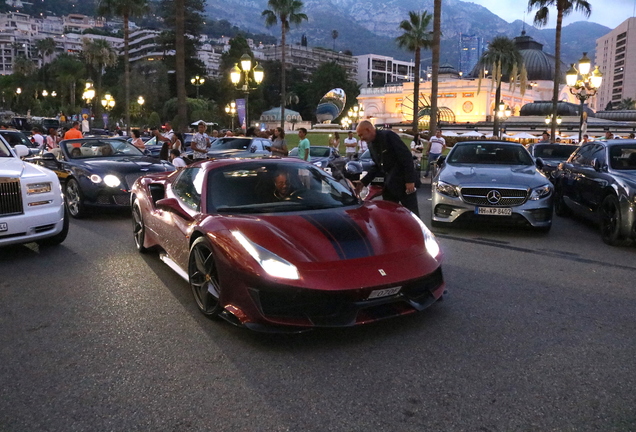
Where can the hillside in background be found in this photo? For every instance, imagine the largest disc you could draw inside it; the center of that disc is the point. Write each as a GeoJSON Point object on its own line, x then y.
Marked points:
{"type": "Point", "coordinates": [370, 26]}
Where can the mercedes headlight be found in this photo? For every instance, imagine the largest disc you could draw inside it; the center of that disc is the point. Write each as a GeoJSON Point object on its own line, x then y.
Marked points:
{"type": "Point", "coordinates": [446, 189]}
{"type": "Point", "coordinates": [540, 192]}
{"type": "Point", "coordinates": [38, 188]}
{"type": "Point", "coordinates": [112, 180]}
{"type": "Point", "coordinates": [270, 262]}
{"type": "Point", "coordinates": [432, 247]}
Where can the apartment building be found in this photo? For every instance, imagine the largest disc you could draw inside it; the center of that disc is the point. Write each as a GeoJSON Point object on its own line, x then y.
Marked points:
{"type": "Point", "coordinates": [377, 70]}
{"type": "Point", "coordinates": [616, 59]}
{"type": "Point", "coordinates": [308, 59]}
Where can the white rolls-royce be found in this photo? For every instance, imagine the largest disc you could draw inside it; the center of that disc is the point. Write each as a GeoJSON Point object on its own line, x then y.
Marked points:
{"type": "Point", "coordinates": [31, 203]}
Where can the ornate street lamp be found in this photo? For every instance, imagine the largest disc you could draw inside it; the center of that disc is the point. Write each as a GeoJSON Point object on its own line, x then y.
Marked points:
{"type": "Point", "coordinates": [108, 102]}
{"type": "Point", "coordinates": [197, 81]}
{"type": "Point", "coordinates": [242, 74]}
{"type": "Point", "coordinates": [18, 91]}
{"type": "Point", "coordinates": [89, 92]}
{"type": "Point", "coordinates": [583, 84]}
{"type": "Point", "coordinates": [356, 113]}
{"type": "Point", "coordinates": [141, 101]}
{"type": "Point", "coordinates": [503, 112]}
{"type": "Point", "coordinates": [230, 109]}
{"type": "Point", "coordinates": [45, 93]}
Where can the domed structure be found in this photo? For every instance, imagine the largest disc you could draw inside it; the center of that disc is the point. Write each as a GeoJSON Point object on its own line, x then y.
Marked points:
{"type": "Point", "coordinates": [448, 69]}
{"type": "Point", "coordinates": [540, 66]}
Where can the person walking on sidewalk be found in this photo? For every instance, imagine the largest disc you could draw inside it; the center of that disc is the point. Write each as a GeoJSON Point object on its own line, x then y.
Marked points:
{"type": "Point", "coordinates": [435, 150]}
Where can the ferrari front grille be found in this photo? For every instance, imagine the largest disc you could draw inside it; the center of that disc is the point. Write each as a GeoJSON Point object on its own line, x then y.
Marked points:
{"type": "Point", "coordinates": [10, 196]}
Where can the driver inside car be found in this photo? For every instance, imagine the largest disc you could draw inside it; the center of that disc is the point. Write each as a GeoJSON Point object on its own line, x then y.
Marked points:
{"type": "Point", "coordinates": [282, 186]}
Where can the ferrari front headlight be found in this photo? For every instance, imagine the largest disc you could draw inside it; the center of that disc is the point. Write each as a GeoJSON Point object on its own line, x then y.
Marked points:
{"type": "Point", "coordinates": [432, 247]}
{"type": "Point", "coordinates": [270, 262]}
{"type": "Point", "coordinates": [38, 188]}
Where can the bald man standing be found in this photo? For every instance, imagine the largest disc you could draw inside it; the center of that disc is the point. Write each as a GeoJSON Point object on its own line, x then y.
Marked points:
{"type": "Point", "coordinates": [391, 156]}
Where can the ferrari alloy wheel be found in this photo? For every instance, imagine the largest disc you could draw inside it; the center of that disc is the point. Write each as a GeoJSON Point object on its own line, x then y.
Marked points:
{"type": "Point", "coordinates": [139, 229]}
{"type": "Point", "coordinates": [611, 220]}
{"type": "Point", "coordinates": [204, 278]}
{"type": "Point", "coordinates": [74, 200]}
{"type": "Point", "coordinates": [560, 207]}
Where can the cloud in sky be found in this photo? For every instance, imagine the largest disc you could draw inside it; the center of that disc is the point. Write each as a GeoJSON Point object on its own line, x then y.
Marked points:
{"type": "Point", "coordinates": [609, 13]}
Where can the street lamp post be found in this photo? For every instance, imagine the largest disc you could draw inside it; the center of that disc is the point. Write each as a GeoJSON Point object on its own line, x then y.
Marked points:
{"type": "Point", "coordinates": [503, 112]}
{"type": "Point", "coordinates": [230, 109]}
{"type": "Point", "coordinates": [108, 102]}
{"type": "Point", "coordinates": [549, 119]}
{"type": "Point", "coordinates": [583, 84]}
{"type": "Point", "coordinates": [356, 113]}
{"type": "Point", "coordinates": [243, 74]}
{"type": "Point", "coordinates": [88, 95]}
{"type": "Point", "coordinates": [197, 82]}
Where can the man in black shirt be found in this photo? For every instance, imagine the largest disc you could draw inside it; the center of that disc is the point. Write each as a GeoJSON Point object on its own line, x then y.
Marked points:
{"type": "Point", "coordinates": [391, 156]}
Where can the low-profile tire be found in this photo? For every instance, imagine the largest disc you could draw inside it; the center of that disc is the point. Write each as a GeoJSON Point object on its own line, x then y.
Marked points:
{"type": "Point", "coordinates": [611, 219]}
{"type": "Point", "coordinates": [59, 237]}
{"type": "Point", "coordinates": [139, 228]}
{"type": "Point", "coordinates": [560, 207]}
{"type": "Point", "coordinates": [204, 278]}
{"type": "Point", "coordinates": [74, 199]}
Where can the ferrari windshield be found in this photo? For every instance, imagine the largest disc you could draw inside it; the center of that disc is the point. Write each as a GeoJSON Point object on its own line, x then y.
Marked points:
{"type": "Point", "coordinates": [269, 186]}
{"type": "Point", "coordinates": [623, 157]}
{"type": "Point", "coordinates": [489, 153]}
{"type": "Point", "coordinates": [554, 151]}
{"type": "Point", "coordinates": [96, 148]}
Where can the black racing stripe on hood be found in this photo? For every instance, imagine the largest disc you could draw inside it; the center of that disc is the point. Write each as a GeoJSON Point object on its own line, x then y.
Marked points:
{"type": "Point", "coordinates": [346, 237]}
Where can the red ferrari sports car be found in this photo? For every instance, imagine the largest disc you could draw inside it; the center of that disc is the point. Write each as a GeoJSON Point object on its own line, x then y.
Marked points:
{"type": "Point", "coordinates": [274, 244]}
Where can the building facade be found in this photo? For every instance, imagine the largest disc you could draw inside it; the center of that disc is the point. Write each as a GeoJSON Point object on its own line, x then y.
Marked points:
{"type": "Point", "coordinates": [616, 59]}
{"type": "Point", "coordinates": [308, 59]}
{"type": "Point", "coordinates": [376, 70]}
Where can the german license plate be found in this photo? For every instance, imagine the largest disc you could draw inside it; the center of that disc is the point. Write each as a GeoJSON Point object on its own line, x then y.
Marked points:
{"type": "Point", "coordinates": [384, 292]}
{"type": "Point", "coordinates": [4, 226]}
{"type": "Point", "coordinates": [494, 211]}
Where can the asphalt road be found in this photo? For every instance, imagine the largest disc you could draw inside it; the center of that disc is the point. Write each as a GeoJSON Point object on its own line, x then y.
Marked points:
{"type": "Point", "coordinates": [536, 334]}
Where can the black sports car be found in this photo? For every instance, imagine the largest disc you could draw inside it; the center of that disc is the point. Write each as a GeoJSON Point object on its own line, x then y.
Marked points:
{"type": "Point", "coordinates": [551, 155]}
{"type": "Point", "coordinates": [326, 158]}
{"type": "Point", "coordinates": [98, 172]}
{"type": "Point", "coordinates": [599, 182]}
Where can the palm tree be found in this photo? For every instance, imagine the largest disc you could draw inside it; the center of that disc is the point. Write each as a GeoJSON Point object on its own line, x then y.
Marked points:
{"type": "Point", "coordinates": [179, 30]}
{"type": "Point", "coordinates": [285, 11]}
{"type": "Point", "coordinates": [504, 60]}
{"type": "Point", "coordinates": [627, 104]}
{"type": "Point", "coordinates": [564, 8]}
{"type": "Point", "coordinates": [437, 35]}
{"type": "Point", "coordinates": [68, 70]}
{"type": "Point", "coordinates": [99, 54]}
{"type": "Point", "coordinates": [125, 9]}
{"type": "Point", "coordinates": [415, 37]}
{"type": "Point", "coordinates": [45, 48]}
{"type": "Point", "coordinates": [23, 66]}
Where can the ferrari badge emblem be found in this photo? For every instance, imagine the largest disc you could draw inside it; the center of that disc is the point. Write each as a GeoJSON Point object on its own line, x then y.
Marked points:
{"type": "Point", "coordinates": [382, 272]}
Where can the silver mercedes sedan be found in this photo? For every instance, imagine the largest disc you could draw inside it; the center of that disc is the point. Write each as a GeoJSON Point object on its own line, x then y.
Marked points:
{"type": "Point", "coordinates": [491, 181]}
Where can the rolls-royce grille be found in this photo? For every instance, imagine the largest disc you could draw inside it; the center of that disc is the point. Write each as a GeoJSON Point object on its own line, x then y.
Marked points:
{"type": "Point", "coordinates": [494, 196]}
{"type": "Point", "coordinates": [10, 196]}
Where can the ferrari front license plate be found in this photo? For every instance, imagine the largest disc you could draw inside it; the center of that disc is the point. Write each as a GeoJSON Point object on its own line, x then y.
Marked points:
{"type": "Point", "coordinates": [493, 211]}
{"type": "Point", "coordinates": [384, 292]}
{"type": "Point", "coordinates": [4, 226]}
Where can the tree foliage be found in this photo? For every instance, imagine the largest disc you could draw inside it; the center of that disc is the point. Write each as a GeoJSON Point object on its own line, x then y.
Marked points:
{"type": "Point", "coordinates": [417, 35]}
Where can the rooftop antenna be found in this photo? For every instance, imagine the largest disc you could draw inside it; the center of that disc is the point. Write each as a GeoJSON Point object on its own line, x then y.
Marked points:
{"type": "Point", "coordinates": [523, 29]}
